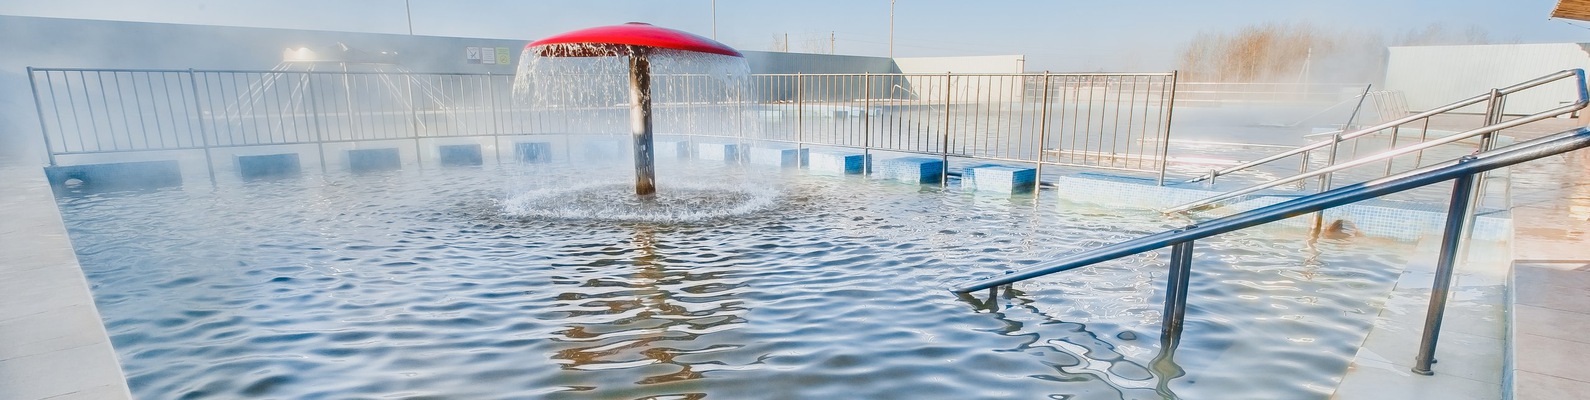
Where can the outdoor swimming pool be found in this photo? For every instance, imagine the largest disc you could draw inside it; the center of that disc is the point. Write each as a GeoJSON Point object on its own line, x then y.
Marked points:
{"type": "Point", "coordinates": [445, 283]}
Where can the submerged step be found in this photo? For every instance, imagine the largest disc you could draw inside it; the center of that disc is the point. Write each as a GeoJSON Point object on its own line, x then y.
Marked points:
{"type": "Point", "coordinates": [608, 148]}
{"type": "Point", "coordinates": [671, 149]}
{"type": "Point", "coordinates": [829, 162]}
{"type": "Point", "coordinates": [779, 156]}
{"type": "Point", "coordinates": [268, 165]}
{"type": "Point", "coordinates": [911, 170]}
{"type": "Point", "coordinates": [127, 175]}
{"type": "Point", "coordinates": [368, 160]}
{"type": "Point", "coordinates": [459, 154]}
{"type": "Point", "coordinates": [532, 152]}
{"type": "Point", "coordinates": [999, 178]}
{"type": "Point", "coordinates": [719, 151]}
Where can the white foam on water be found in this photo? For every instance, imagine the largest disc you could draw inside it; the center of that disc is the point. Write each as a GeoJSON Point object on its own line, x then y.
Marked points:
{"type": "Point", "coordinates": [617, 202]}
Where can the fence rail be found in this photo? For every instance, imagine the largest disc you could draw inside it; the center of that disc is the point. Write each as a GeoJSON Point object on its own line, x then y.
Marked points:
{"type": "Point", "coordinates": [1110, 121]}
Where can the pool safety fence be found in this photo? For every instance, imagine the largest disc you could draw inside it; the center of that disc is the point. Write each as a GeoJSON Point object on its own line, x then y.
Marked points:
{"type": "Point", "coordinates": [1118, 122]}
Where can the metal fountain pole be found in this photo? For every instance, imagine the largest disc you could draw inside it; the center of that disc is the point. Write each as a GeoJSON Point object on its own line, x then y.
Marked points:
{"type": "Point", "coordinates": [640, 119]}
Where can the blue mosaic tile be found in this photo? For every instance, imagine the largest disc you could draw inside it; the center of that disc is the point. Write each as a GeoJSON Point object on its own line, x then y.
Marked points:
{"type": "Point", "coordinates": [609, 148]}
{"type": "Point", "coordinates": [269, 165]}
{"type": "Point", "coordinates": [837, 163]}
{"type": "Point", "coordinates": [719, 151]}
{"type": "Point", "coordinates": [779, 157]}
{"type": "Point", "coordinates": [366, 160]}
{"type": "Point", "coordinates": [532, 152]}
{"type": "Point", "coordinates": [910, 170]}
{"type": "Point", "coordinates": [459, 154]}
{"type": "Point", "coordinates": [671, 148]}
{"type": "Point", "coordinates": [999, 178]}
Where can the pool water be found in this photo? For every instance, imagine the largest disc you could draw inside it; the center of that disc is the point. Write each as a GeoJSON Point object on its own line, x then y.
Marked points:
{"type": "Point", "coordinates": [449, 283]}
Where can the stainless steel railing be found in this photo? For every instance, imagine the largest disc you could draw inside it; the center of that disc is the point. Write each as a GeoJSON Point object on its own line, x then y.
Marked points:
{"type": "Point", "coordinates": [1463, 172]}
{"type": "Point", "coordinates": [1104, 121]}
{"type": "Point", "coordinates": [1107, 121]}
{"type": "Point", "coordinates": [1493, 101]}
{"type": "Point", "coordinates": [1493, 122]}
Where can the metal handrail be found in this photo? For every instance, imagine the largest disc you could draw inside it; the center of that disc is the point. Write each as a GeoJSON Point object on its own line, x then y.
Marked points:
{"type": "Point", "coordinates": [1575, 73]}
{"type": "Point", "coordinates": [1383, 155]}
{"type": "Point", "coordinates": [1463, 171]}
{"type": "Point", "coordinates": [1295, 207]}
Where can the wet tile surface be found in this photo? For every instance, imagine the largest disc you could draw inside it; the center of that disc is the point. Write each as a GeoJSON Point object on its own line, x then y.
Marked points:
{"type": "Point", "coordinates": [1550, 309]}
{"type": "Point", "coordinates": [52, 343]}
{"type": "Point", "coordinates": [1471, 346]}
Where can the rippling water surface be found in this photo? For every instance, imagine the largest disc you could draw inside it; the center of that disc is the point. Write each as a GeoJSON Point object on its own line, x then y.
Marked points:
{"type": "Point", "coordinates": [533, 283]}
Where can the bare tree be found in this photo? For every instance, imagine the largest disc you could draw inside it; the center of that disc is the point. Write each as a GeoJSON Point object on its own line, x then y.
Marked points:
{"type": "Point", "coordinates": [1303, 52]}
{"type": "Point", "coordinates": [779, 43]}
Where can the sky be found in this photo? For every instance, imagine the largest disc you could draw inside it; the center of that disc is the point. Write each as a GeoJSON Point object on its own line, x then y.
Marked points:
{"type": "Point", "coordinates": [1056, 35]}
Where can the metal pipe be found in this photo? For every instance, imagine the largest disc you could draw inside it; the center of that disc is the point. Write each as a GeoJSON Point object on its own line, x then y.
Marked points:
{"type": "Point", "coordinates": [1550, 145]}
{"type": "Point", "coordinates": [38, 106]}
{"type": "Point", "coordinates": [1324, 182]}
{"type": "Point", "coordinates": [944, 145]}
{"type": "Point", "coordinates": [1164, 138]}
{"type": "Point", "coordinates": [640, 120]}
{"type": "Point", "coordinates": [1043, 135]}
{"type": "Point", "coordinates": [1417, 147]}
{"type": "Point", "coordinates": [866, 121]}
{"type": "Point", "coordinates": [315, 121]}
{"type": "Point", "coordinates": [209, 164]}
{"type": "Point", "coordinates": [800, 108]}
{"type": "Point", "coordinates": [1176, 284]}
{"type": "Point", "coordinates": [1456, 218]}
{"type": "Point", "coordinates": [1584, 98]}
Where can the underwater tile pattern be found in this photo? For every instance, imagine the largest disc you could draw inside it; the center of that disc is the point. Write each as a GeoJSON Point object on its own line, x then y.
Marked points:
{"type": "Point", "coordinates": [532, 152]}
{"type": "Point", "coordinates": [838, 162]}
{"type": "Point", "coordinates": [779, 157]}
{"type": "Point", "coordinates": [671, 148]}
{"type": "Point", "coordinates": [910, 170]}
{"type": "Point", "coordinates": [719, 151]}
{"type": "Point", "coordinates": [999, 178]}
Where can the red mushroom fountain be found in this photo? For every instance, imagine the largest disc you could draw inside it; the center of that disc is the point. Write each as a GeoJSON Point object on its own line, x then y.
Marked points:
{"type": "Point", "coordinates": [635, 40]}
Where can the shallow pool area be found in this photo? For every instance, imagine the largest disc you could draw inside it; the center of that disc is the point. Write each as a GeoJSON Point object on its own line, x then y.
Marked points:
{"type": "Point", "coordinates": [441, 283]}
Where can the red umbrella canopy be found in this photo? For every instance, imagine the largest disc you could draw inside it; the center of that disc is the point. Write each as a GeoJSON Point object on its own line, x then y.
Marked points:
{"type": "Point", "coordinates": [614, 40]}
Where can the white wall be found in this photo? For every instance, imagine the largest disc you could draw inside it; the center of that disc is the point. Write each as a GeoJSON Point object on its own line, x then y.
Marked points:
{"type": "Point", "coordinates": [964, 89]}
{"type": "Point", "coordinates": [1432, 76]}
{"type": "Point", "coordinates": [962, 65]}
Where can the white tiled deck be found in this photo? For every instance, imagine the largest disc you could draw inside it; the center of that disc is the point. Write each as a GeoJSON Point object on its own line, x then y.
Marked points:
{"type": "Point", "coordinates": [52, 343]}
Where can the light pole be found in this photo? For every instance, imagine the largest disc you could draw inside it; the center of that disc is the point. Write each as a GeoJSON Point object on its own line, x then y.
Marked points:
{"type": "Point", "coordinates": [408, 12]}
{"type": "Point", "coordinates": [891, 28]}
{"type": "Point", "coordinates": [714, 19]}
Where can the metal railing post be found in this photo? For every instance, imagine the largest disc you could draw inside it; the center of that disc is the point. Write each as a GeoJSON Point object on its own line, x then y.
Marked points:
{"type": "Point", "coordinates": [496, 117]}
{"type": "Point", "coordinates": [1176, 283]}
{"type": "Point", "coordinates": [1456, 219]}
{"type": "Point", "coordinates": [1164, 139]}
{"type": "Point", "coordinates": [800, 108]}
{"type": "Point", "coordinates": [866, 122]}
{"type": "Point", "coordinates": [1493, 114]}
{"type": "Point", "coordinates": [408, 88]}
{"type": "Point", "coordinates": [204, 136]}
{"type": "Point", "coordinates": [944, 144]}
{"type": "Point", "coordinates": [1043, 135]}
{"type": "Point", "coordinates": [38, 106]}
{"type": "Point", "coordinates": [315, 122]}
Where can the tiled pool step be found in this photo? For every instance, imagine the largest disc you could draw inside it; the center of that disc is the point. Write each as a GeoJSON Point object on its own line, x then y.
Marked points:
{"type": "Point", "coordinates": [910, 169]}
{"type": "Point", "coordinates": [1548, 317]}
{"type": "Point", "coordinates": [1406, 221]}
{"type": "Point", "coordinates": [999, 178]}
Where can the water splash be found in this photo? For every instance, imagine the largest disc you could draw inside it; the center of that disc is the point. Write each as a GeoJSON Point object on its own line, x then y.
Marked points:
{"type": "Point", "coordinates": [617, 202]}
{"type": "Point", "coordinates": [692, 93]}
